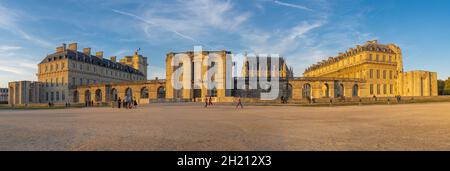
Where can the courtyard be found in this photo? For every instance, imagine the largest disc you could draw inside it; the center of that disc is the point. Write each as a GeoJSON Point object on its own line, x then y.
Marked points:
{"type": "Point", "coordinates": [189, 126]}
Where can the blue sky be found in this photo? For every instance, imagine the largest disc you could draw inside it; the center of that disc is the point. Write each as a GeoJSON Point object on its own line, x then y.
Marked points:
{"type": "Point", "coordinates": [303, 31]}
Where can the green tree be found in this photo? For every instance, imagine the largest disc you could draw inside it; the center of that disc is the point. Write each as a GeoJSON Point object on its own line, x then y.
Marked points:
{"type": "Point", "coordinates": [441, 86]}
{"type": "Point", "coordinates": [447, 87]}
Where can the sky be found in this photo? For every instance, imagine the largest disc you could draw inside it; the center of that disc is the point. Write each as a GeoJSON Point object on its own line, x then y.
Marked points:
{"type": "Point", "coordinates": [302, 31]}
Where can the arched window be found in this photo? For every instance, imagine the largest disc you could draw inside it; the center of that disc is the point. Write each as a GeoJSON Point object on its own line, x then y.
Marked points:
{"type": "Point", "coordinates": [144, 92]}
{"type": "Point", "coordinates": [355, 90]}
{"type": "Point", "coordinates": [326, 90]}
{"type": "Point", "coordinates": [161, 92]}
{"type": "Point", "coordinates": [87, 96]}
{"type": "Point", "coordinates": [306, 90]}
{"type": "Point", "coordinates": [98, 95]}
{"type": "Point", "coordinates": [114, 94]}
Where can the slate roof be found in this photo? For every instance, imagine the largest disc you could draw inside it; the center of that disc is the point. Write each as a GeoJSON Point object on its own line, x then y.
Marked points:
{"type": "Point", "coordinates": [79, 56]}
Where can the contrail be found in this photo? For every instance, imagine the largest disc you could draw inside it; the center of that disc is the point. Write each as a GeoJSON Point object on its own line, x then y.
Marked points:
{"type": "Point", "coordinates": [151, 23]}
{"type": "Point", "coordinates": [292, 5]}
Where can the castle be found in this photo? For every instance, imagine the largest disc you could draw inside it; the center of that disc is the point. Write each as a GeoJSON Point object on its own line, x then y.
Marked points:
{"type": "Point", "coordinates": [367, 70]}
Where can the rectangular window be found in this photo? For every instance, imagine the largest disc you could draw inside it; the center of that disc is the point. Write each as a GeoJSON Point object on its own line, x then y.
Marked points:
{"type": "Point", "coordinates": [81, 81]}
{"type": "Point", "coordinates": [390, 75]}
{"type": "Point", "coordinates": [57, 96]}
{"type": "Point", "coordinates": [391, 87]}
{"type": "Point", "coordinates": [371, 88]}
{"type": "Point", "coordinates": [371, 73]}
{"type": "Point", "coordinates": [384, 58]}
{"type": "Point", "coordinates": [384, 74]}
{"type": "Point", "coordinates": [384, 89]}
{"type": "Point", "coordinates": [46, 96]}
{"type": "Point", "coordinates": [52, 97]}
{"type": "Point", "coordinates": [57, 82]}
{"type": "Point", "coordinates": [63, 96]}
{"type": "Point", "coordinates": [377, 57]}
{"type": "Point", "coordinates": [378, 74]}
{"type": "Point", "coordinates": [390, 58]}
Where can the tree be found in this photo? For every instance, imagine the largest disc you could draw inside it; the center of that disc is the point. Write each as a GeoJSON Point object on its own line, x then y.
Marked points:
{"type": "Point", "coordinates": [441, 86]}
{"type": "Point", "coordinates": [447, 87]}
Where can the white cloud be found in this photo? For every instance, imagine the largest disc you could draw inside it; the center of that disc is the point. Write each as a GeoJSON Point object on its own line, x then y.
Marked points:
{"type": "Point", "coordinates": [7, 48]}
{"type": "Point", "coordinates": [18, 66]}
{"type": "Point", "coordinates": [314, 36]}
{"type": "Point", "coordinates": [9, 19]}
{"type": "Point", "coordinates": [193, 21]}
{"type": "Point", "coordinates": [292, 5]}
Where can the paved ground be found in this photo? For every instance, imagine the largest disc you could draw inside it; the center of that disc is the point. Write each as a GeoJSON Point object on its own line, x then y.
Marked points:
{"type": "Point", "coordinates": [191, 127]}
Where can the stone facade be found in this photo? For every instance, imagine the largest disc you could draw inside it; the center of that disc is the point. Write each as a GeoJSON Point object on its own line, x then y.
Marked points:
{"type": "Point", "coordinates": [196, 92]}
{"type": "Point", "coordinates": [24, 92]}
{"type": "Point", "coordinates": [381, 68]}
{"type": "Point", "coordinates": [3, 95]}
{"type": "Point", "coordinates": [67, 68]}
{"type": "Point", "coordinates": [367, 70]}
{"type": "Point", "coordinates": [141, 91]}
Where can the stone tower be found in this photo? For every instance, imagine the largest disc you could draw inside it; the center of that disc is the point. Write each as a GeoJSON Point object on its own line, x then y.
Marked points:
{"type": "Point", "coordinates": [136, 61]}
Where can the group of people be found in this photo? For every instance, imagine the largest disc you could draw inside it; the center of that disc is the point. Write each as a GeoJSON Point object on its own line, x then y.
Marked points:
{"type": "Point", "coordinates": [128, 103]}
{"type": "Point", "coordinates": [51, 104]}
{"type": "Point", "coordinates": [89, 103]}
{"type": "Point", "coordinates": [284, 100]}
{"type": "Point", "coordinates": [399, 98]}
{"type": "Point", "coordinates": [208, 102]}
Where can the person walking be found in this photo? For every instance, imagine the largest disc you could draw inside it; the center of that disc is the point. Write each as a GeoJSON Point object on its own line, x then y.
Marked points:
{"type": "Point", "coordinates": [210, 101]}
{"type": "Point", "coordinates": [239, 103]}
{"type": "Point", "coordinates": [206, 102]}
{"type": "Point", "coordinates": [119, 103]}
{"type": "Point", "coordinates": [135, 103]}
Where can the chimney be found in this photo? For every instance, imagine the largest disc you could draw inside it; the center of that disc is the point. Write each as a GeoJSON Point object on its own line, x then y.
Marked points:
{"type": "Point", "coordinates": [372, 42]}
{"type": "Point", "coordinates": [87, 51]}
{"type": "Point", "coordinates": [61, 48]}
{"type": "Point", "coordinates": [113, 58]}
{"type": "Point", "coordinates": [73, 47]}
{"type": "Point", "coordinates": [99, 54]}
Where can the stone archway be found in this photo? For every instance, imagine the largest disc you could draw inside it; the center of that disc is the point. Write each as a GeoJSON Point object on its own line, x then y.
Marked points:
{"type": "Point", "coordinates": [306, 93]}
{"type": "Point", "coordinates": [326, 90]}
{"type": "Point", "coordinates": [355, 90]}
{"type": "Point", "coordinates": [87, 96]}
{"type": "Point", "coordinates": [161, 92]}
{"type": "Point", "coordinates": [128, 94]}
{"type": "Point", "coordinates": [98, 95]}
{"type": "Point", "coordinates": [144, 93]}
{"type": "Point", "coordinates": [289, 91]}
{"type": "Point", "coordinates": [113, 94]}
{"type": "Point", "coordinates": [76, 96]}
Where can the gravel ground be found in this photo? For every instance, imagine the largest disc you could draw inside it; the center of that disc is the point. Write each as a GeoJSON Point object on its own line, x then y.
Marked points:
{"type": "Point", "coordinates": [222, 127]}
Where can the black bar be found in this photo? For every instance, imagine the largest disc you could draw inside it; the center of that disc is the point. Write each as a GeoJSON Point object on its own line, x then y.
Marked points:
{"type": "Point", "coordinates": [258, 160]}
